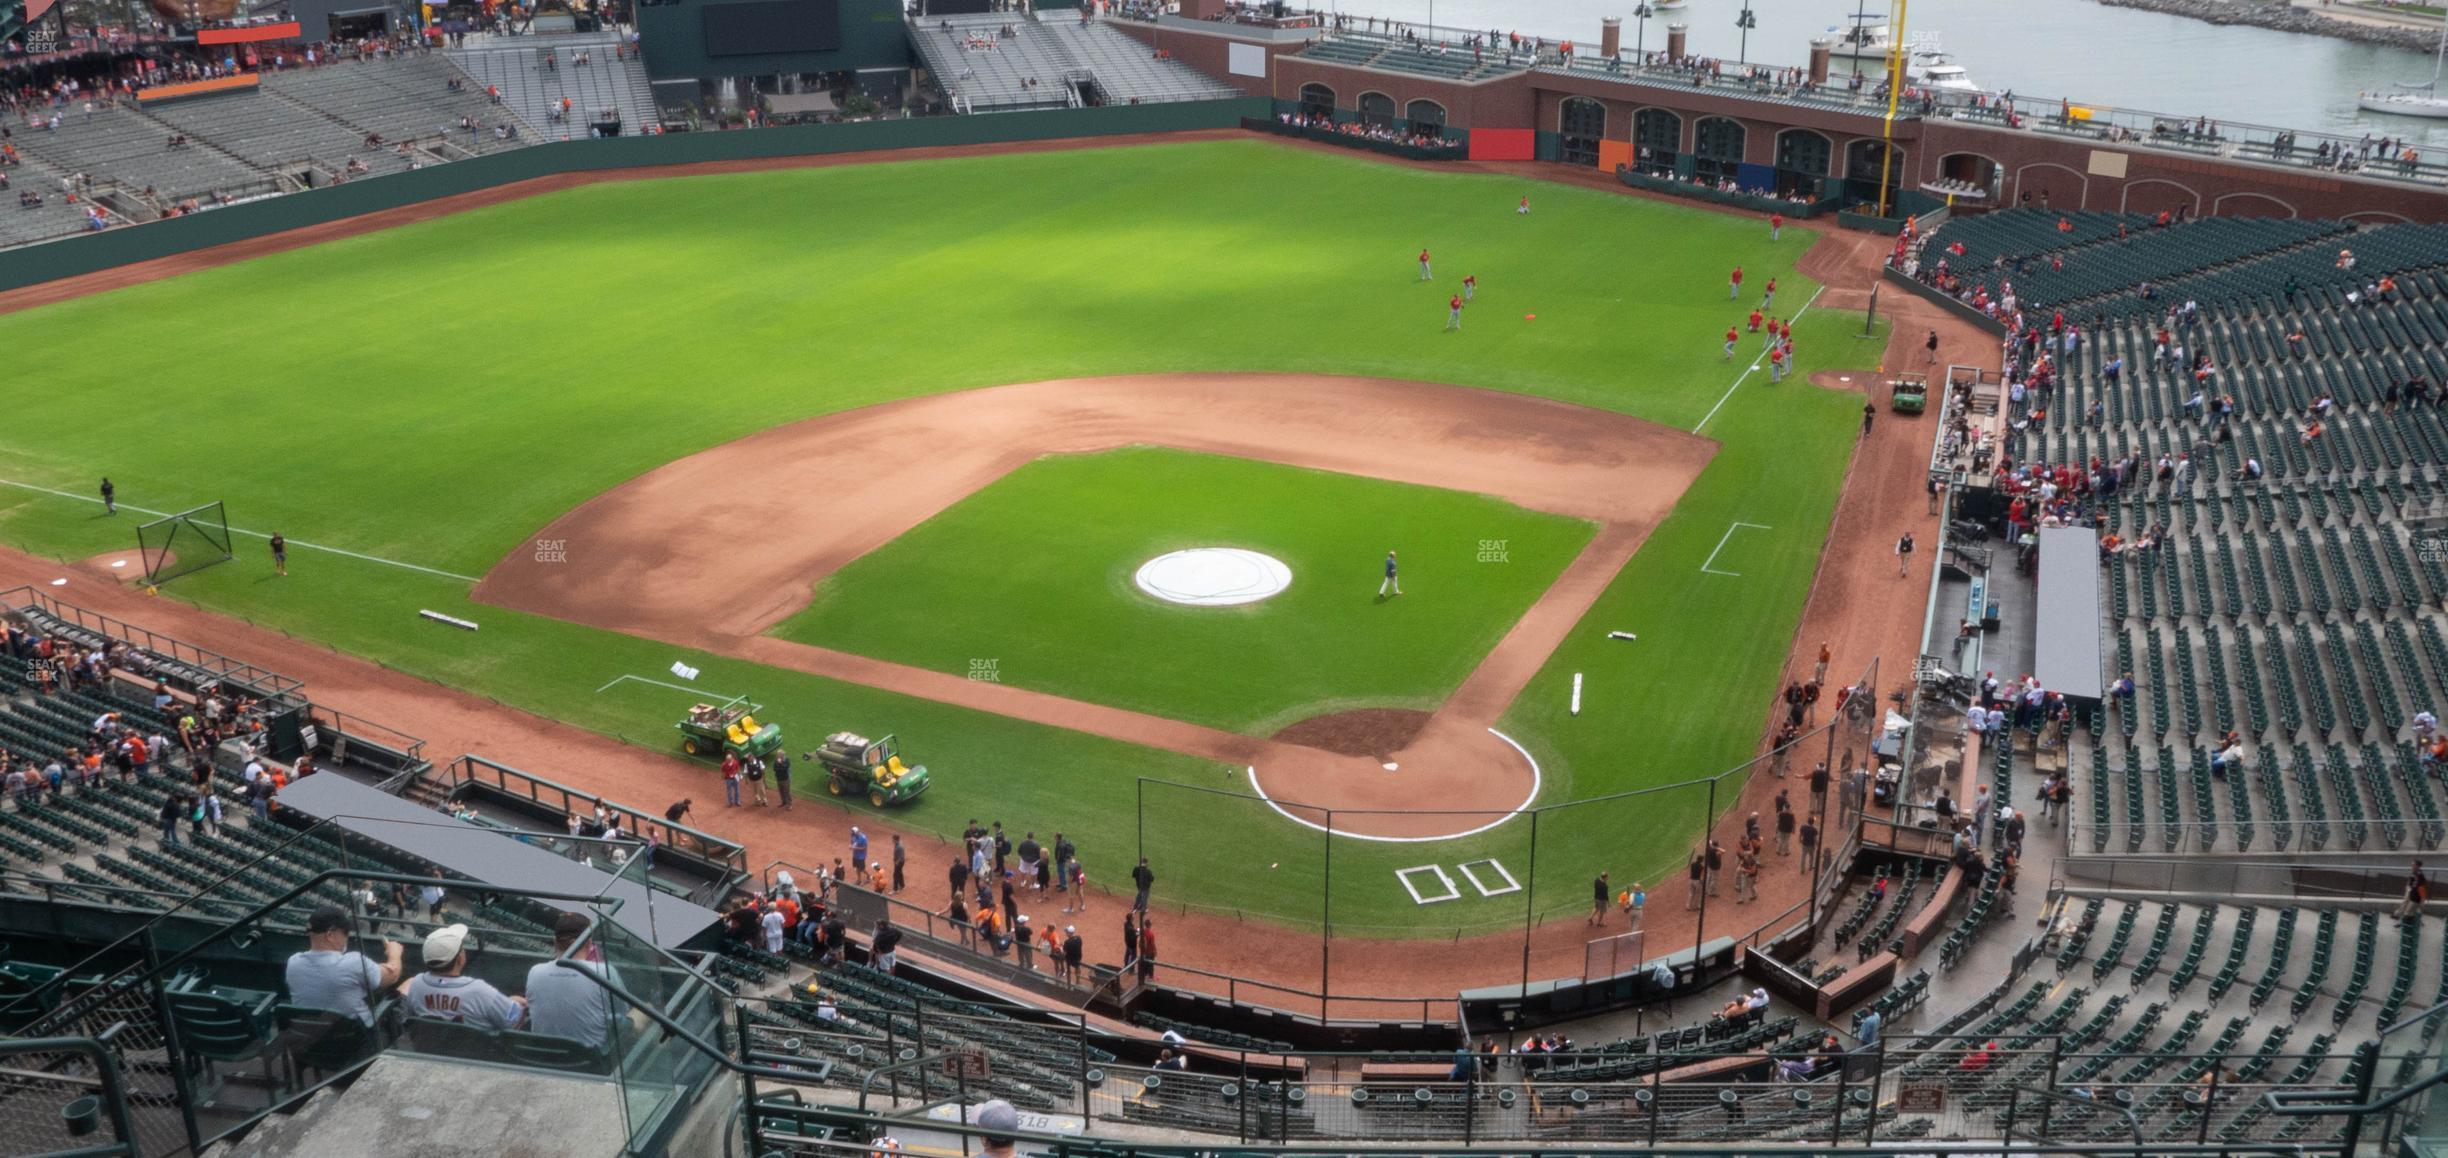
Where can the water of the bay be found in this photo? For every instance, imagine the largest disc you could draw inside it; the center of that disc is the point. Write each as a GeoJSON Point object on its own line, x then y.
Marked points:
{"type": "Point", "coordinates": [2077, 49]}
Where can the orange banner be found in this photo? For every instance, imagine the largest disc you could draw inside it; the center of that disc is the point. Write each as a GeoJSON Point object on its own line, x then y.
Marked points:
{"type": "Point", "coordinates": [1613, 155]}
{"type": "Point", "coordinates": [250, 34]}
{"type": "Point", "coordinates": [193, 88]}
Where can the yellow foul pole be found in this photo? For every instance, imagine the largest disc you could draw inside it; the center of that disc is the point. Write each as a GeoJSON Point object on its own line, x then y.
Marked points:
{"type": "Point", "coordinates": [1895, 89]}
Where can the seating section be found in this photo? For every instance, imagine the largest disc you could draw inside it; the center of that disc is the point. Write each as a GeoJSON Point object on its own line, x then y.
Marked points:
{"type": "Point", "coordinates": [302, 125]}
{"type": "Point", "coordinates": [534, 91]}
{"type": "Point", "coordinates": [2051, 269]}
{"type": "Point", "coordinates": [1003, 62]}
{"type": "Point", "coordinates": [1361, 49]}
{"type": "Point", "coordinates": [2207, 988]}
{"type": "Point", "coordinates": [2300, 609]}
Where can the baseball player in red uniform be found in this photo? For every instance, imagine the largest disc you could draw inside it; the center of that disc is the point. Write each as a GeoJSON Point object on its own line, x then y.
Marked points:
{"type": "Point", "coordinates": [1453, 314]}
{"type": "Point", "coordinates": [1425, 275]}
{"type": "Point", "coordinates": [1732, 336]}
{"type": "Point", "coordinates": [1769, 299]}
{"type": "Point", "coordinates": [1776, 226]}
{"type": "Point", "coordinates": [1470, 286]}
{"type": "Point", "coordinates": [1755, 323]}
{"type": "Point", "coordinates": [1734, 284]}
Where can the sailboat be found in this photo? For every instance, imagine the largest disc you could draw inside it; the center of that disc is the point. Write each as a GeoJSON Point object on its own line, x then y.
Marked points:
{"type": "Point", "coordinates": [2413, 100]}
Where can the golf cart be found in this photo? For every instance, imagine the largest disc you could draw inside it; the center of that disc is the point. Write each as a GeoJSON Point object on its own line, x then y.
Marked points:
{"type": "Point", "coordinates": [1908, 393]}
{"type": "Point", "coordinates": [854, 765]}
{"type": "Point", "coordinates": [730, 726]}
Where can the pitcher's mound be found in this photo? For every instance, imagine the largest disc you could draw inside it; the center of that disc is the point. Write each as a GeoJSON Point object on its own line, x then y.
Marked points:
{"type": "Point", "coordinates": [1373, 732]}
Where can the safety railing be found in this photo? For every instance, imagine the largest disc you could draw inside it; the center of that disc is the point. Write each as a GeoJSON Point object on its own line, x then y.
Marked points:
{"type": "Point", "coordinates": [725, 861]}
{"type": "Point", "coordinates": [2036, 1091]}
{"type": "Point", "coordinates": [64, 1097]}
{"type": "Point", "coordinates": [205, 666]}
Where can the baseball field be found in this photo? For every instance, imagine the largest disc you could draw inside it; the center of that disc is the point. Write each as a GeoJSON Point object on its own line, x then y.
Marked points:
{"type": "Point", "coordinates": [881, 446]}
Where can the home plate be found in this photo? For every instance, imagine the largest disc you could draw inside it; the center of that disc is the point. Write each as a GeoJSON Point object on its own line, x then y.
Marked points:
{"type": "Point", "coordinates": [1389, 765]}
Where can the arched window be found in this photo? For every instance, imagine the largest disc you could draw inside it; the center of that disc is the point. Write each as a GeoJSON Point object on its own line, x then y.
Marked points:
{"type": "Point", "coordinates": [1657, 141]}
{"type": "Point", "coordinates": [1582, 123]}
{"type": "Point", "coordinates": [1317, 102]}
{"type": "Point", "coordinates": [1424, 118]}
{"type": "Point", "coordinates": [1377, 110]}
{"type": "Point", "coordinates": [1801, 162]}
{"type": "Point", "coordinates": [1717, 147]}
{"type": "Point", "coordinates": [1969, 175]}
{"type": "Point", "coordinates": [1862, 166]}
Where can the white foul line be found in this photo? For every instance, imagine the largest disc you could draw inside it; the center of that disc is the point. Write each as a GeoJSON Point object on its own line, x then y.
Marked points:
{"type": "Point", "coordinates": [1518, 809]}
{"type": "Point", "coordinates": [1721, 542]}
{"type": "Point", "coordinates": [300, 543]}
{"type": "Point", "coordinates": [1755, 363]}
{"type": "Point", "coordinates": [660, 684]}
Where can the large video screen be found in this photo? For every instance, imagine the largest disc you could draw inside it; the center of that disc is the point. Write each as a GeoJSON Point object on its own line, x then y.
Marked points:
{"type": "Point", "coordinates": [766, 27]}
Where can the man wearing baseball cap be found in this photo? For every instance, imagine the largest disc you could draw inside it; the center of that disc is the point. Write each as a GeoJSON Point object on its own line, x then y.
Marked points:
{"type": "Point", "coordinates": [444, 992]}
{"type": "Point", "coordinates": [561, 1002]}
{"type": "Point", "coordinates": [1000, 1122]}
{"type": "Point", "coordinates": [331, 976]}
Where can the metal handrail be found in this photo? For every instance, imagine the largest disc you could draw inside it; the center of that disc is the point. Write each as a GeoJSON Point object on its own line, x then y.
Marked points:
{"type": "Point", "coordinates": [106, 1077]}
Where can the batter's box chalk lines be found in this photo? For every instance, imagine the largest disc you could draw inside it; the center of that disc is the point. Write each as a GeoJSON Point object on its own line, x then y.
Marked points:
{"type": "Point", "coordinates": [1709, 567]}
{"type": "Point", "coordinates": [1510, 885]}
{"type": "Point", "coordinates": [1451, 890]}
{"type": "Point", "coordinates": [299, 544]}
{"type": "Point", "coordinates": [1755, 364]}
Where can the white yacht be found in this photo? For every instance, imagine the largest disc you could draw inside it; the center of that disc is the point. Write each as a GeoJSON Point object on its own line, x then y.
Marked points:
{"type": "Point", "coordinates": [1868, 38]}
{"type": "Point", "coordinates": [1938, 75]}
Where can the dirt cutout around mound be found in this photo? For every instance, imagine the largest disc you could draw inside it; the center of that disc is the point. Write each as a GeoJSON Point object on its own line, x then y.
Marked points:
{"type": "Point", "coordinates": [125, 566]}
{"type": "Point", "coordinates": [712, 550]}
{"type": "Point", "coordinates": [1377, 733]}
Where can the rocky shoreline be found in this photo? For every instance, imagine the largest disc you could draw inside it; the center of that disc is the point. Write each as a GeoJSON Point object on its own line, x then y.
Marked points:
{"type": "Point", "coordinates": [2285, 17]}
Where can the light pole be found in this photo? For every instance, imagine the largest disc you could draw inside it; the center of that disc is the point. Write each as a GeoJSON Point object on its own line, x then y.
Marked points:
{"type": "Point", "coordinates": [1640, 35]}
{"type": "Point", "coordinates": [1747, 21]}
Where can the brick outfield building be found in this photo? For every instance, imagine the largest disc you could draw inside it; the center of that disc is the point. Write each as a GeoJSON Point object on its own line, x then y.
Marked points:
{"type": "Point", "coordinates": [1594, 117]}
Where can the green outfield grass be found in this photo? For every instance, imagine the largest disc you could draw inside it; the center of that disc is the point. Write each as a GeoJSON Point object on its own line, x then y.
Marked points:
{"type": "Point", "coordinates": [1033, 575]}
{"type": "Point", "coordinates": [437, 393]}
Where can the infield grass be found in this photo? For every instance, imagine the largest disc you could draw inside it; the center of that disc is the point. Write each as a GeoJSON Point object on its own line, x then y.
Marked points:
{"type": "Point", "coordinates": [1029, 581]}
{"type": "Point", "coordinates": [437, 393]}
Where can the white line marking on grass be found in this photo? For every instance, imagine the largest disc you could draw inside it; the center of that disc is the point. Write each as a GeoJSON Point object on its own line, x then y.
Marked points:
{"type": "Point", "coordinates": [1706, 569]}
{"type": "Point", "coordinates": [1518, 809]}
{"type": "Point", "coordinates": [1755, 363]}
{"type": "Point", "coordinates": [299, 543]}
{"type": "Point", "coordinates": [1510, 885]}
{"type": "Point", "coordinates": [701, 692]}
{"type": "Point", "coordinates": [1404, 875]}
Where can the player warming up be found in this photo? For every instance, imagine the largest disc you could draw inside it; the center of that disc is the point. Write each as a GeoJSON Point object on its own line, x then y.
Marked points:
{"type": "Point", "coordinates": [1732, 336]}
{"type": "Point", "coordinates": [1453, 314]}
{"type": "Point", "coordinates": [1425, 275]}
{"type": "Point", "coordinates": [1734, 284]}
